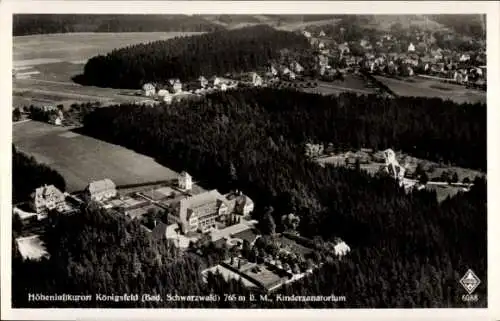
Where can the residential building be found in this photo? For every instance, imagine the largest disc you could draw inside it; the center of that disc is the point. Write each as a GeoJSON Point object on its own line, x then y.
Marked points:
{"type": "Point", "coordinates": [200, 212]}
{"type": "Point", "coordinates": [464, 57]}
{"type": "Point", "coordinates": [306, 34]}
{"type": "Point", "coordinates": [203, 82]}
{"type": "Point", "coordinates": [177, 86]}
{"type": "Point", "coordinates": [411, 47]}
{"type": "Point", "coordinates": [149, 89]}
{"type": "Point", "coordinates": [185, 181]}
{"type": "Point", "coordinates": [46, 198]}
{"type": "Point", "coordinates": [322, 33]}
{"type": "Point", "coordinates": [100, 190]}
{"type": "Point", "coordinates": [256, 79]}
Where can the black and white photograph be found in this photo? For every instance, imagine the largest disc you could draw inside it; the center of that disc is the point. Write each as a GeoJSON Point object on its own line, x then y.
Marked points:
{"type": "Point", "coordinates": [248, 161]}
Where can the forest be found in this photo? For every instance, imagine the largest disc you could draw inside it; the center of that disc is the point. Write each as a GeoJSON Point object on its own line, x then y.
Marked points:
{"type": "Point", "coordinates": [187, 58]}
{"type": "Point", "coordinates": [28, 174]}
{"type": "Point", "coordinates": [29, 24]}
{"type": "Point", "coordinates": [408, 250]}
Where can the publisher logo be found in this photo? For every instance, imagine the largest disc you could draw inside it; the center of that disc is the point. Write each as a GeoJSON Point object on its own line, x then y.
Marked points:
{"type": "Point", "coordinates": [470, 281]}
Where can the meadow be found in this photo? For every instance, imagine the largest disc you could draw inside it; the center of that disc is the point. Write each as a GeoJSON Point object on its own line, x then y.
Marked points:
{"type": "Point", "coordinates": [81, 159]}
{"type": "Point", "coordinates": [422, 87]}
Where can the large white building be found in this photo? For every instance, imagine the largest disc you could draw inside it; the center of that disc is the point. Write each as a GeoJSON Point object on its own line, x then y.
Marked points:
{"type": "Point", "coordinates": [46, 198]}
{"type": "Point", "coordinates": [100, 190]}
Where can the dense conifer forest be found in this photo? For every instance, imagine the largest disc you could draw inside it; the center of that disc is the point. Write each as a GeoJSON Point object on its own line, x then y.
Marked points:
{"type": "Point", "coordinates": [28, 174]}
{"type": "Point", "coordinates": [187, 58]}
{"type": "Point", "coordinates": [408, 250]}
{"type": "Point", "coordinates": [29, 24]}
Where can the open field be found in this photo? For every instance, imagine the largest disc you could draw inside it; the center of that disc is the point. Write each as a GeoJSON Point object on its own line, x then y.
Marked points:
{"type": "Point", "coordinates": [78, 47]}
{"type": "Point", "coordinates": [31, 247]}
{"type": "Point", "coordinates": [423, 87]}
{"type": "Point", "coordinates": [81, 159]}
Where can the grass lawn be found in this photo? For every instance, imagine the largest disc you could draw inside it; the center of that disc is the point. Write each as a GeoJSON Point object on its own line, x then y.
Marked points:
{"type": "Point", "coordinates": [81, 159]}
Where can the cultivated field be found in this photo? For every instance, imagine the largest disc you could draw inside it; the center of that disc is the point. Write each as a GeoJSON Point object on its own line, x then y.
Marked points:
{"type": "Point", "coordinates": [81, 159]}
{"type": "Point", "coordinates": [422, 87]}
{"type": "Point", "coordinates": [59, 57]}
{"type": "Point", "coordinates": [78, 47]}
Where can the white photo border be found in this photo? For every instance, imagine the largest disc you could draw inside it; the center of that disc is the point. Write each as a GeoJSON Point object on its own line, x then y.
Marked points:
{"type": "Point", "coordinates": [490, 8]}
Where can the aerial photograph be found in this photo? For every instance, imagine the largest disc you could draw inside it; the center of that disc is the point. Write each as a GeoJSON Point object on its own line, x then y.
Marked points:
{"type": "Point", "coordinates": [249, 161]}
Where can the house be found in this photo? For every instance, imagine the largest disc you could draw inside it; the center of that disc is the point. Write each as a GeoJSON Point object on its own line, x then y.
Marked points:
{"type": "Point", "coordinates": [200, 212]}
{"type": "Point", "coordinates": [464, 57]}
{"type": "Point", "coordinates": [321, 45]}
{"type": "Point", "coordinates": [322, 33]}
{"type": "Point", "coordinates": [365, 44]}
{"type": "Point", "coordinates": [100, 190]}
{"type": "Point", "coordinates": [291, 75]}
{"type": "Point", "coordinates": [149, 89]}
{"type": "Point", "coordinates": [411, 47]}
{"type": "Point", "coordinates": [306, 34]}
{"type": "Point", "coordinates": [185, 181]}
{"type": "Point", "coordinates": [341, 248]}
{"type": "Point", "coordinates": [177, 86]}
{"type": "Point", "coordinates": [56, 119]}
{"type": "Point", "coordinates": [256, 79]}
{"type": "Point", "coordinates": [167, 98]}
{"type": "Point", "coordinates": [46, 198]}
{"type": "Point", "coordinates": [343, 48]}
{"type": "Point", "coordinates": [295, 66]}
{"type": "Point", "coordinates": [274, 71]}
{"type": "Point", "coordinates": [203, 82]}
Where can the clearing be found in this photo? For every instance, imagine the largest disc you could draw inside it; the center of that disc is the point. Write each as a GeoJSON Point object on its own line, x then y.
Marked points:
{"type": "Point", "coordinates": [81, 159]}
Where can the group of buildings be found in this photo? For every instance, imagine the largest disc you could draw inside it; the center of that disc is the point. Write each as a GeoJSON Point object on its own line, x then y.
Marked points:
{"type": "Point", "coordinates": [175, 90]}
{"type": "Point", "coordinates": [391, 56]}
{"type": "Point", "coordinates": [192, 208]}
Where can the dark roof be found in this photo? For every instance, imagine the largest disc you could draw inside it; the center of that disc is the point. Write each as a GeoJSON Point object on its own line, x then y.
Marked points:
{"type": "Point", "coordinates": [250, 235]}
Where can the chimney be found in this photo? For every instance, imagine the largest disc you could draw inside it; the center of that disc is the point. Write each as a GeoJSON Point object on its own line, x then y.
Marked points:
{"type": "Point", "coordinates": [154, 222]}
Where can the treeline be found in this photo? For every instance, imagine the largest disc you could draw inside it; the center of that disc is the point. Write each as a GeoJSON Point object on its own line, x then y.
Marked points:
{"type": "Point", "coordinates": [29, 24]}
{"type": "Point", "coordinates": [187, 58]}
{"type": "Point", "coordinates": [28, 174]}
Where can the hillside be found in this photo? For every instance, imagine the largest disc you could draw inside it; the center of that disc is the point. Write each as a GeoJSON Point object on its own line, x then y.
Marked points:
{"type": "Point", "coordinates": [187, 58]}
{"type": "Point", "coordinates": [28, 24]}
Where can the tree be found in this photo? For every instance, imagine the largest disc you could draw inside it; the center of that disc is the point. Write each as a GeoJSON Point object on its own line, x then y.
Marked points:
{"type": "Point", "coordinates": [454, 178]}
{"type": "Point", "coordinates": [16, 114]}
{"type": "Point", "coordinates": [267, 225]}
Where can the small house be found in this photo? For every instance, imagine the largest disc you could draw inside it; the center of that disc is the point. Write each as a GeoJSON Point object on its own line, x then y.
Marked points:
{"type": "Point", "coordinates": [411, 47]}
{"type": "Point", "coordinates": [203, 82]}
{"type": "Point", "coordinates": [185, 181]}
{"type": "Point", "coordinates": [148, 89]}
